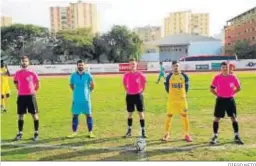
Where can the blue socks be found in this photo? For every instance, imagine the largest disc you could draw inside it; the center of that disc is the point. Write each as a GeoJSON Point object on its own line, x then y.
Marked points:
{"type": "Point", "coordinates": [75, 123]}
{"type": "Point", "coordinates": [89, 121]}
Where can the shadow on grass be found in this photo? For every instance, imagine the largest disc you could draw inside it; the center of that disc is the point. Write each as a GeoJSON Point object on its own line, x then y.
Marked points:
{"type": "Point", "coordinates": [92, 141]}
{"type": "Point", "coordinates": [27, 147]}
{"type": "Point", "coordinates": [146, 155]}
{"type": "Point", "coordinates": [40, 141]}
{"type": "Point", "coordinates": [24, 151]}
{"type": "Point", "coordinates": [83, 153]}
{"type": "Point", "coordinates": [126, 152]}
{"type": "Point", "coordinates": [160, 141]}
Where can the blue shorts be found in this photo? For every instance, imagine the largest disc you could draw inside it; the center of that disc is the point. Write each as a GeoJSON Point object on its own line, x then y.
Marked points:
{"type": "Point", "coordinates": [81, 108]}
{"type": "Point", "coordinates": [161, 74]}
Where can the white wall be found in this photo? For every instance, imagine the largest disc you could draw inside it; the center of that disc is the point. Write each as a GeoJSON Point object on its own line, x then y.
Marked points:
{"type": "Point", "coordinates": [145, 67]}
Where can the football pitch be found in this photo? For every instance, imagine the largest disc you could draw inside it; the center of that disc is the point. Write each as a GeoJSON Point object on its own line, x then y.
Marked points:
{"type": "Point", "coordinates": [110, 124]}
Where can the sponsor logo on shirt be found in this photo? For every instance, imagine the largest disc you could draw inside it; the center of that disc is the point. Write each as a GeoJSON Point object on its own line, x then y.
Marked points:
{"type": "Point", "coordinates": [29, 78]}
{"type": "Point", "coordinates": [232, 85]}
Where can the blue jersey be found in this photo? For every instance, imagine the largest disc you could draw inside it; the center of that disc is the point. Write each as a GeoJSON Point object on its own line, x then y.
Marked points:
{"type": "Point", "coordinates": [81, 83]}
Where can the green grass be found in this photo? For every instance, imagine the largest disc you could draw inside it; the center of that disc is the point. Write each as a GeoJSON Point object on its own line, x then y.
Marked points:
{"type": "Point", "coordinates": [54, 99]}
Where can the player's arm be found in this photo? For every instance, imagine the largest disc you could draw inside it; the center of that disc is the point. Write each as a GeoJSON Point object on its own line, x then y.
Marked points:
{"type": "Point", "coordinates": [186, 82]}
{"type": "Point", "coordinates": [144, 81]}
{"type": "Point", "coordinates": [7, 71]}
{"type": "Point", "coordinates": [15, 80]}
{"type": "Point", "coordinates": [237, 84]}
{"type": "Point", "coordinates": [213, 86]}
{"type": "Point", "coordinates": [166, 83]}
{"type": "Point", "coordinates": [125, 82]}
{"type": "Point", "coordinates": [36, 81]}
{"type": "Point", "coordinates": [91, 83]}
{"type": "Point", "coordinates": [71, 82]}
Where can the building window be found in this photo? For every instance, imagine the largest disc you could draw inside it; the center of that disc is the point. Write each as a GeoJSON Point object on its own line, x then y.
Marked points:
{"type": "Point", "coordinates": [180, 49]}
{"type": "Point", "coordinates": [253, 38]}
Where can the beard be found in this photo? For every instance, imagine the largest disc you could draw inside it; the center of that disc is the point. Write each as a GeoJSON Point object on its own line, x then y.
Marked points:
{"type": "Point", "coordinates": [80, 69]}
{"type": "Point", "coordinates": [24, 65]}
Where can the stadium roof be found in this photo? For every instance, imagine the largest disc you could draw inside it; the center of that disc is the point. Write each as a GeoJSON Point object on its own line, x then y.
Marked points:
{"type": "Point", "coordinates": [184, 39]}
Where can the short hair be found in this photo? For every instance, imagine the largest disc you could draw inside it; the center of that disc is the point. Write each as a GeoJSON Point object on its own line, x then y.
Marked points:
{"type": "Point", "coordinates": [132, 60]}
{"type": "Point", "coordinates": [24, 57]}
{"type": "Point", "coordinates": [161, 63]}
{"type": "Point", "coordinates": [79, 61]}
{"type": "Point", "coordinates": [223, 64]}
{"type": "Point", "coordinates": [174, 62]}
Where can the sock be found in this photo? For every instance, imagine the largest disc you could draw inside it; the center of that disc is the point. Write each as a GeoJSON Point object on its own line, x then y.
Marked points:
{"type": "Point", "coordinates": [129, 122]}
{"type": "Point", "coordinates": [142, 124]}
{"type": "Point", "coordinates": [3, 103]}
{"type": "Point", "coordinates": [36, 125]}
{"type": "Point", "coordinates": [235, 127]}
{"type": "Point", "coordinates": [74, 123]}
{"type": "Point", "coordinates": [89, 121]}
{"type": "Point", "coordinates": [185, 124]}
{"type": "Point", "coordinates": [20, 125]}
{"type": "Point", "coordinates": [215, 128]}
{"type": "Point", "coordinates": [168, 124]}
{"type": "Point", "coordinates": [158, 78]}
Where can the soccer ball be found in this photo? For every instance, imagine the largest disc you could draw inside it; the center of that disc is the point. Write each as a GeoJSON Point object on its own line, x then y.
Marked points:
{"type": "Point", "coordinates": [140, 145]}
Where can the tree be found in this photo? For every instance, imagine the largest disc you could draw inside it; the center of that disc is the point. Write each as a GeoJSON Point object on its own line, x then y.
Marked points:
{"type": "Point", "coordinates": [137, 46]}
{"type": "Point", "coordinates": [100, 47]}
{"type": "Point", "coordinates": [15, 37]}
{"type": "Point", "coordinates": [123, 44]}
{"type": "Point", "coordinates": [41, 50]}
{"type": "Point", "coordinates": [75, 43]}
{"type": "Point", "coordinates": [245, 51]}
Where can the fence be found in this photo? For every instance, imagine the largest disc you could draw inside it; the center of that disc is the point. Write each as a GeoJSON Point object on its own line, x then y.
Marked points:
{"type": "Point", "coordinates": [150, 67]}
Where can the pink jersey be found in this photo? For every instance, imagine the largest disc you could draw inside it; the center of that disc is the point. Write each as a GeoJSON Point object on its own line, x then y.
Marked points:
{"type": "Point", "coordinates": [225, 85]}
{"type": "Point", "coordinates": [134, 83]}
{"type": "Point", "coordinates": [26, 80]}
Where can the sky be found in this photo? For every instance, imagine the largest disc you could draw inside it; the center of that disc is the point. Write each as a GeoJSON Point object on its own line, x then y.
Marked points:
{"type": "Point", "coordinates": [132, 13]}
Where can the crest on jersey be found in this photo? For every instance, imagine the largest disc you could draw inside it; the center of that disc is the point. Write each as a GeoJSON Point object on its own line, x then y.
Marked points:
{"type": "Point", "coordinates": [29, 78]}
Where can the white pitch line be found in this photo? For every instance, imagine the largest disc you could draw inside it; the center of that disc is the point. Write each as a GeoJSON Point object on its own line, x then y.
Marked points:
{"type": "Point", "coordinates": [132, 148]}
{"type": "Point", "coordinates": [42, 146]}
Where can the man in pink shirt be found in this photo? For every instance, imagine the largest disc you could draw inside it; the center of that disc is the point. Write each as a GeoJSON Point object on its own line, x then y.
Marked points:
{"type": "Point", "coordinates": [224, 86]}
{"type": "Point", "coordinates": [134, 83]}
{"type": "Point", "coordinates": [27, 84]}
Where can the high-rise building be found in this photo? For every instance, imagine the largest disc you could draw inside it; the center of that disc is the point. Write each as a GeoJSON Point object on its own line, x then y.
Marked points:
{"type": "Point", "coordinates": [240, 28]}
{"type": "Point", "coordinates": [148, 33]}
{"type": "Point", "coordinates": [77, 15]}
{"type": "Point", "coordinates": [186, 22]}
{"type": "Point", "coordinates": [60, 18]}
{"type": "Point", "coordinates": [6, 21]}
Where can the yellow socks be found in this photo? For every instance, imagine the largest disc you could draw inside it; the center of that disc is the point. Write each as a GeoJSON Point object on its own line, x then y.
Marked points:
{"type": "Point", "coordinates": [168, 124]}
{"type": "Point", "coordinates": [185, 123]}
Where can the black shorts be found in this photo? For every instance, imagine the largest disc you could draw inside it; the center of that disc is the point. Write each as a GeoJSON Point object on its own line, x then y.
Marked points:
{"type": "Point", "coordinates": [27, 104]}
{"type": "Point", "coordinates": [135, 100]}
{"type": "Point", "coordinates": [224, 105]}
